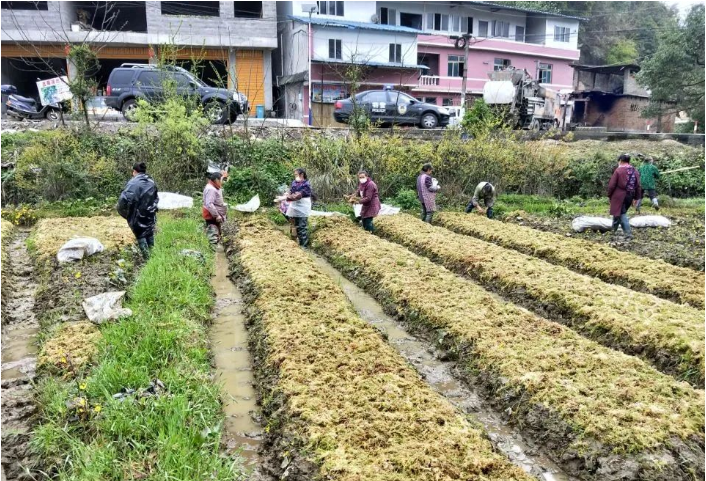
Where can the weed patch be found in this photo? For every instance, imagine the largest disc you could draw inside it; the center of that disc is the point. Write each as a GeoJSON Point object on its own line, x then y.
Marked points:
{"type": "Point", "coordinates": [341, 404]}
{"type": "Point", "coordinates": [71, 348]}
{"type": "Point", "coordinates": [605, 415]}
{"type": "Point", "coordinates": [655, 277]}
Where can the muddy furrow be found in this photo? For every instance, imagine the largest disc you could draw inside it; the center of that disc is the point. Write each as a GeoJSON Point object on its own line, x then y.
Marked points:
{"type": "Point", "coordinates": [439, 372]}
{"type": "Point", "coordinates": [19, 359]}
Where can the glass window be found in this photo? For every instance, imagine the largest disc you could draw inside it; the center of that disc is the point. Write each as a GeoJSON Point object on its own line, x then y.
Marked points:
{"type": "Point", "coordinates": [331, 8]}
{"type": "Point", "coordinates": [482, 29]}
{"type": "Point", "coordinates": [519, 34]}
{"type": "Point", "coordinates": [455, 23]}
{"type": "Point", "coordinates": [562, 34]}
{"type": "Point", "coordinates": [447, 102]}
{"type": "Point", "coordinates": [25, 6]}
{"type": "Point", "coordinates": [501, 63]}
{"type": "Point", "coordinates": [467, 25]}
{"type": "Point", "coordinates": [334, 49]}
{"type": "Point", "coordinates": [438, 22]}
{"type": "Point", "coordinates": [429, 100]}
{"type": "Point", "coordinates": [375, 96]}
{"type": "Point", "coordinates": [151, 78]}
{"type": "Point", "coordinates": [247, 9]}
{"type": "Point", "coordinates": [501, 29]}
{"type": "Point", "coordinates": [545, 73]}
{"type": "Point", "coordinates": [121, 77]}
{"type": "Point", "coordinates": [411, 20]}
{"type": "Point", "coordinates": [388, 16]}
{"type": "Point", "coordinates": [395, 53]}
{"type": "Point", "coordinates": [182, 81]}
{"type": "Point", "coordinates": [455, 66]}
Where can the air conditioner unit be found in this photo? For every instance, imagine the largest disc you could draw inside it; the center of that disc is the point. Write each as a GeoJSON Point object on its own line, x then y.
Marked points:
{"type": "Point", "coordinates": [374, 18]}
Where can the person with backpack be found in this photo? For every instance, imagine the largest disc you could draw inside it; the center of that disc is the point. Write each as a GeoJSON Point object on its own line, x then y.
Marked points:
{"type": "Point", "coordinates": [299, 208]}
{"type": "Point", "coordinates": [138, 205]}
{"type": "Point", "coordinates": [648, 174]}
{"type": "Point", "coordinates": [624, 190]}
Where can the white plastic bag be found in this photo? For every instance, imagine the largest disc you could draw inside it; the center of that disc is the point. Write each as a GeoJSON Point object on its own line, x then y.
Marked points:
{"type": "Point", "coordinates": [104, 307]}
{"type": "Point", "coordinates": [585, 222]}
{"type": "Point", "coordinates": [78, 248]}
{"type": "Point", "coordinates": [357, 209]}
{"type": "Point", "coordinates": [170, 200]}
{"type": "Point", "coordinates": [650, 221]}
{"type": "Point", "coordinates": [250, 206]}
{"type": "Point", "coordinates": [299, 208]}
{"type": "Point", "coordinates": [388, 210]}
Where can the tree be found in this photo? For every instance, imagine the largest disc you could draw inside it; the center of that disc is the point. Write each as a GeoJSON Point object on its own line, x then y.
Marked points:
{"type": "Point", "coordinates": [675, 72]}
{"type": "Point", "coordinates": [623, 50]}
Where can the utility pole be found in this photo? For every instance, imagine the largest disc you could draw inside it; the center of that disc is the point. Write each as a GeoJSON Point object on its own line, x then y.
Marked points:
{"type": "Point", "coordinates": [310, 8]}
{"type": "Point", "coordinates": [467, 42]}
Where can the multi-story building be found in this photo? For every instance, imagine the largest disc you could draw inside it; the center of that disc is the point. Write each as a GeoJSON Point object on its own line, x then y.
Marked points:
{"type": "Point", "coordinates": [229, 41]}
{"type": "Point", "coordinates": [411, 46]}
{"type": "Point", "coordinates": [348, 47]}
{"type": "Point", "coordinates": [544, 44]}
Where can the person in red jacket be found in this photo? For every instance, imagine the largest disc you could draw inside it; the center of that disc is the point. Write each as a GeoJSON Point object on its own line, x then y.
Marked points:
{"type": "Point", "coordinates": [624, 190]}
{"type": "Point", "coordinates": [369, 199]}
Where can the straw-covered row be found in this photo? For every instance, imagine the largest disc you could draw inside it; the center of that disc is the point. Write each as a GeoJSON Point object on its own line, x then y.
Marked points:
{"type": "Point", "coordinates": [667, 334]}
{"type": "Point", "coordinates": [337, 398]}
{"type": "Point", "coordinates": [604, 415]}
{"type": "Point", "coordinates": [656, 277]}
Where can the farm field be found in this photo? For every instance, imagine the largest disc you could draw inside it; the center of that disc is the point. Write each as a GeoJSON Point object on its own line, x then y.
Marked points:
{"type": "Point", "coordinates": [336, 399]}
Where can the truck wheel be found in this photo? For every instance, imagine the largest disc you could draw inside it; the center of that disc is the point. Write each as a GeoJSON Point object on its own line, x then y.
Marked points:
{"type": "Point", "coordinates": [216, 112]}
{"type": "Point", "coordinates": [128, 110]}
{"type": "Point", "coordinates": [429, 121]}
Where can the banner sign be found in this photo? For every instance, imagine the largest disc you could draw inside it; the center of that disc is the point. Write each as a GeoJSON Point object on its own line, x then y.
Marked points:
{"type": "Point", "coordinates": [329, 93]}
{"type": "Point", "coordinates": [54, 90]}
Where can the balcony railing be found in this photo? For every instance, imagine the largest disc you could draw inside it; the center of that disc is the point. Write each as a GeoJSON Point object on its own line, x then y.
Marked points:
{"type": "Point", "coordinates": [429, 80]}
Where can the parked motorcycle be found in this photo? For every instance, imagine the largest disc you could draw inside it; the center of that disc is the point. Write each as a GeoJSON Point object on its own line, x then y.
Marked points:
{"type": "Point", "coordinates": [29, 108]}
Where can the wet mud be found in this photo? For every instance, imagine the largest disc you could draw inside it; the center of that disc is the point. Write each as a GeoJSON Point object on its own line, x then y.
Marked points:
{"type": "Point", "coordinates": [19, 360]}
{"type": "Point", "coordinates": [233, 365]}
{"type": "Point", "coordinates": [443, 376]}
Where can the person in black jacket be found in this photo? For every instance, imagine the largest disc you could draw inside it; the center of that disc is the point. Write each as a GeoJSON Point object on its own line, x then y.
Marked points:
{"type": "Point", "coordinates": [138, 204]}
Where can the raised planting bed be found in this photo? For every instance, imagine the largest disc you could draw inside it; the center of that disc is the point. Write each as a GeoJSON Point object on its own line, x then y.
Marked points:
{"type": "Point", "coordinates": [604, 415]}
{"type": "Point", "coordinates": [341, 404]}
{"type": "Point", "coordinates": [656, 277]}
{"type": "Point", "coordinates": [669, 335]}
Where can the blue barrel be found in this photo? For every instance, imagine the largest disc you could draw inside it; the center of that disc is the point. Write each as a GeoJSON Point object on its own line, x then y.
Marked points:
{"type": "Point", "coordinates": [260, 109]}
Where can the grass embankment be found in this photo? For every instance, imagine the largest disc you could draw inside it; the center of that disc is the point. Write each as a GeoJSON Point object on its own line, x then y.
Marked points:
{"type": "Point", "coordinates": [654, 277]}
{"type": "Point", "coordinates": [338, 398]}
{"type": "Point", "coordinates": [667, 334]}
{"type": "Point", "coordinates": [605, 415]}
{"type": "Point", "coordinates": [6, 232]}
{"type": "Point", "coordinates": [159, 433]}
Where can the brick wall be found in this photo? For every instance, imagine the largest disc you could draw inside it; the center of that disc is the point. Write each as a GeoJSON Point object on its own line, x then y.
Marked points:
{"type": "Point", "coordinates": [624, 114]}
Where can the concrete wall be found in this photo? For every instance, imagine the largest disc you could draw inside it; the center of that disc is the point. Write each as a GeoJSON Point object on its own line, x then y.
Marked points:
{"type": "Point", "coordinates": [364, 45]}
{"type": "Point", "coordinates": [357, 11]}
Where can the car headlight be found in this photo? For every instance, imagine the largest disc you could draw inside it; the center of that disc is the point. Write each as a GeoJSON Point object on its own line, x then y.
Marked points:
{"type": "Point", "coordinates": [444, 111]}
{"type": "Point", "coordinates": [238, 97]}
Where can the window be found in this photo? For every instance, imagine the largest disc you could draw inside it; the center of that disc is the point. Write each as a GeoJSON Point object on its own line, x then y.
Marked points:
{"type": "Point", "coordinates": [411, 20]}
{"type": "Point", "coordinates": [121, 77]}
{"type": "Point", "coordinates": [545, 73]}
{"type": "Point", "coordinates": [438, 22]}
{"type": "Point", "coordinates": [331, 8]}
{"type": "Point", "coordinates": [248, 9]}
{"type": "Point", "coordinates": [374, 97]}
{"type": "Point", "coordinates": [562, 34]}
{"type": "Point", "coordinates": [388, 16]}
{"type": "Point", "coordinates": [501, 29]}
{"type": "Point", "coordinates": [182, 81]}
{"type": "Point", "coordinates": [455, 23]}
{"type": "Point", "coordinates": [395, 53]}
{"type": "Point", "coordinates": [519, 34]}
{"type": "Point", "coordinates": [447, 102]}
{"type": "Point", "coordinates": [203, 9]}
{"type": "Point", "coordinates": [501, 63]}
{"type": "Point", "coordinates": [482, 29]}
{"type": "Point", "coordinates": [334, 49]}
{"type": "Point", "coordinates": [151, 78]}
{"type": "Point", "coordinates": [25, 6]}
{"type": "Point", "coordinates": [429, 100]}
{"type": "Point", "coordinates": [455, 66]}
{"type": "Point", "coordinates": [468, 25]}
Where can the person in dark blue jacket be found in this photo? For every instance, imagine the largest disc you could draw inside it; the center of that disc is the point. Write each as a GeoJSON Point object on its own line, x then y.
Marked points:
{"type": "Point", "coordinates": [138, 204]}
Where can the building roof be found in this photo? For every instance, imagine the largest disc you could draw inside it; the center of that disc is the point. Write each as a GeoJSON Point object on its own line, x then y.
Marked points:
{"type": "Point", "coordinates": [372, 64]}
{"type": "Point", "coordinates": [294, 78]}
{"type": "Point", "coordinates": [328, 22]}
{"type": "Point", "coordinates": [616, 68]}
{"type": "Point", "coordinates": [527, 10]}
{"type": "Point", "coordinates": [584, 93]}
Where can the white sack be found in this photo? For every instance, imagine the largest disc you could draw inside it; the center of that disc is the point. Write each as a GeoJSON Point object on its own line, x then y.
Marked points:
{"type": "Point", "coordinates": [384, 209]}
{"type": "Point", "coordinates": [318, 213]}
{"type": "Point", "coordinates": [170, 200]}
{"type": "Point", "coordinates": [585, 222]}
{"type": "Point", "coordinates": [105, 306]}
{"type": "Point", "coordinates": [650, 221]}
{"type": "Point", "coordinates": [78, 248]}
{"type": "Point", "coordinates": [299, 208]}
{"type": "Point", "coordinates": [251, 206]}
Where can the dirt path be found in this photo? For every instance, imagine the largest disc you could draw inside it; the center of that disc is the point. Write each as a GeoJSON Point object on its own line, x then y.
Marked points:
{"type": "Point", "coordinates": [19, 359]}
{"type": "Point", "coordinates": [229, 345]}
{"type": "Point", "coordinates": [439, 373]}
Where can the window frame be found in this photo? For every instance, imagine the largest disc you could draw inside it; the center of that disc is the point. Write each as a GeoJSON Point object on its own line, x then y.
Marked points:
{"type": "Point", "coordinates": [334, 9]}
{"type": "Point", "coordinates": [481, 25]}
{"type": "Point", "coordinates": [336, 47]}
{"type": "Point", "coordinates": [504, 62]}
{"type": "Point", "coordinates": [457, 64]}
{"type": "Point", "coordinates": [501, 26]}
{"type": "Point", "coordinates": [248, 14]}
{"type": "Point", "coordinates": [522, 39]}
{"type": "Point", "coordinates": [562, 34]}
{"type": "Point", "coordinates": [542, 70]}
{"type": "Point", "coordinates": [390, 16]}
{"type": "Point", "coordinates": [395, 52]}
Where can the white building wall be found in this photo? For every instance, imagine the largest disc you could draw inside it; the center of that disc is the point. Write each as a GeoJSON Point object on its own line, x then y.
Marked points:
{"type": "Point", "coordinates": [364, 45]}
{"type": "Point", "coordinates": [352, 10]}
{"type": "Point", "coordinates": [573, 26]}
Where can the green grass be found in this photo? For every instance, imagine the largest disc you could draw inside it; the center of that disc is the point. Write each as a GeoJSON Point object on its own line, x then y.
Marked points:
{"type": "Point", "coordinates": [158, 437]}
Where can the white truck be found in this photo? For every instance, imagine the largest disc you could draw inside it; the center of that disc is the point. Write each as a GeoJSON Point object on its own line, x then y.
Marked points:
{"type": "Point", "coordinates": [530, 105]}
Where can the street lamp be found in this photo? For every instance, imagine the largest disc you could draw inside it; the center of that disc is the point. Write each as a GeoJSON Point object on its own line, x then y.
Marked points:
{"type": "Point", "coordinates": [310, 8]}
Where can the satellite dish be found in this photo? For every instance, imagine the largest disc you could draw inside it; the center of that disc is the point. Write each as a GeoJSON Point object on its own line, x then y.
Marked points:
{"type": "Point", "coordinates": [374, 18]}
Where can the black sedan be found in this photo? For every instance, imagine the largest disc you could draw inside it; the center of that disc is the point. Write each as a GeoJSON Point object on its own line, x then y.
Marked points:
{"type": "Point", "coordinates": [393, 107]}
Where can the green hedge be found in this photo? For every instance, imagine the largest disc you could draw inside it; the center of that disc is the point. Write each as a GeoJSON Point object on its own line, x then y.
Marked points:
{"type": "Point", "coordinates": [65, 165]}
